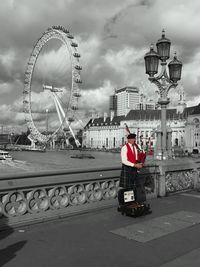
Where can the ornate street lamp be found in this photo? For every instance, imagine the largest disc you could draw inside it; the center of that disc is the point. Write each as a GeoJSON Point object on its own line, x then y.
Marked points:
{"type": "Point", "coordinates": [163, 47]}
{"type": "Point", "coordinates": [163, 81]}
{"type": "Point", "coordinates": [151, 62]}
{"type": "Point", "coordinates": [175, 67]}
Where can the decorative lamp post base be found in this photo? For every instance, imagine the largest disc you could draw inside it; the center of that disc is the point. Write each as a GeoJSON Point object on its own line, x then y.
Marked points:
{"type": "Point", "coordinates": [160, 153]}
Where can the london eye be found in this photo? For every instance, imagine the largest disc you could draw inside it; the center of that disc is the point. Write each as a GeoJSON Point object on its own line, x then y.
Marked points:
{"type": "Point", "coordinates": [51, 86]}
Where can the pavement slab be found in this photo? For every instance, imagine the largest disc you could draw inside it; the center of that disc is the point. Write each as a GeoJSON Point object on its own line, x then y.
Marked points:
{"type": "Point", "coordinates": [158, 227]}
{"type": "Point", "coordinates": [87, 239]}
{"type": "Point", "coordinates": [191, 259]}
{"type": "Point", "coordinates": [190, 195]}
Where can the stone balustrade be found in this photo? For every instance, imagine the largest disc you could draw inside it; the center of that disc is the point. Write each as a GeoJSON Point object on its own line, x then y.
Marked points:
{"type": "Point", "coordinates": [177, 176]}
{"type": "Point", "coordinates": [32, 197]}
{"type": "Point", "coordinates": [179, 180]}
{"type": "Point", "coordinates": [35, 197]}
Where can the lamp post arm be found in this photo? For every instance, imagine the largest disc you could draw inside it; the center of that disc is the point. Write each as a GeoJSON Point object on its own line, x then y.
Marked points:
{"type": "Point", "coordinates": [163, 72]}
{"type": "Point", "coordinates": [163, 91]}
{"type": "Point", "coordinates": [163, 82]}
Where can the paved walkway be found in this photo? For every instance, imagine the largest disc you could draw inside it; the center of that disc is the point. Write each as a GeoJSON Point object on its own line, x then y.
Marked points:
{"type": "Point", "coordinates": [170, 236]}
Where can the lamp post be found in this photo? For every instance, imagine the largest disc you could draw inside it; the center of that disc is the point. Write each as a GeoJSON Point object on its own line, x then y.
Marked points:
{"type": "Point", "coordinates": [47, 120]}
{"type": "Point", "coordinates": [163, 81]}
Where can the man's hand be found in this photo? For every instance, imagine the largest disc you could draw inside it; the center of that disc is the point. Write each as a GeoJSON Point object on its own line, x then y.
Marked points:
{"type": "Point", "coordinates": [138, 165]}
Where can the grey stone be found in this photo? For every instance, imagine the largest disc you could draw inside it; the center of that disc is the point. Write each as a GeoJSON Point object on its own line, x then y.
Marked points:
{"type": "Point", "coordinates": [191, 259]}
{"type": "Point", "coordinates": [158, 227]}
{"type": "Point", "coordinates": [187, 216]}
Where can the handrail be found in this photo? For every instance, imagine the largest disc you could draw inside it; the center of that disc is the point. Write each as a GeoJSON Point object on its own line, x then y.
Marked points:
{"type": "Point", "coordinates": [28, 175]}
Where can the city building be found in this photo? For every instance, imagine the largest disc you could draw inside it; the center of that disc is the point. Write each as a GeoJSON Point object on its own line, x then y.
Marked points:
{"type": "Point", "coordinates": [111, 133]}
{"type": "Point", "coordinates": [113, 103]}
{"type": "Point", "coordinates": [127, 99]}
{"type": "Point", "coordinates": [5, 139]}
{"type": "Point", "coordinates": [192, 129]}
{"type": "Point", "coordinates": [181, 103]}
{"type": "Point", "coordinates": [145, 103]}
{"type": "Point", "coordinates": [143, 118]}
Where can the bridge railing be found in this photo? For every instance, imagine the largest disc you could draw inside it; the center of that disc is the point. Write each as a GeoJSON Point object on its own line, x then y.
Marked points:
{"type": "Point", "coordinates": [33, 197]}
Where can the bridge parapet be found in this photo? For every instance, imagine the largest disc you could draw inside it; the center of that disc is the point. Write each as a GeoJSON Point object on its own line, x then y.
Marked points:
{"type": "Point", "coordinates": [177, 176]}
{"type": "Point", "coordinates": [33, 197]}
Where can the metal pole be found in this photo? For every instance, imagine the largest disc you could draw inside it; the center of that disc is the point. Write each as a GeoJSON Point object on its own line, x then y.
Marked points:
{"type": "Point", "coordinates": [47, 118]}
{"type": "Point", "coordinates": [163, 104]}
{"type": "Point", "coordinates": [164, 132]}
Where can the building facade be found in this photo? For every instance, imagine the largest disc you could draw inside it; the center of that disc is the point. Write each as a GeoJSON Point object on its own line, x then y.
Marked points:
{"type": "Point", "coordinates": [127, 99]}
{"type": "Point", "coordinates": [145, 103]}
{"type": "Point", "coordinates": [111, 133]}
{"type": "Point", "coordinates": [113, 103]}
{"type": "Point", "coordinates": [192, 129]}
{"type": "Point", "coordinates": [143, 118]}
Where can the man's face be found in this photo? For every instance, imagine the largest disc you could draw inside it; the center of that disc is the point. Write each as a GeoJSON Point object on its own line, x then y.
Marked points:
{"type": "Point", "coordinates": [132, 141]}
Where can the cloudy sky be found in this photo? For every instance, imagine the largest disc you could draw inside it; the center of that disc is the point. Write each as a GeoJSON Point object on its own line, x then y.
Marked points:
{"type": "Point", "coordinates": [113, 37]}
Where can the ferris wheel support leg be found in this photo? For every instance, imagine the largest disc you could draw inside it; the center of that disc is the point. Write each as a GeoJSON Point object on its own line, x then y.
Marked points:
{"type": "Point", "coordinates": [32, 141]}
{"type": "Point", "coordinates": [53, 145]}
{"type": "Point", "coordinates": [59, 111]}
{"type": "Point", "coordinates": [64, 117]}
{"type": "Point", "coordinates": [57, 108]}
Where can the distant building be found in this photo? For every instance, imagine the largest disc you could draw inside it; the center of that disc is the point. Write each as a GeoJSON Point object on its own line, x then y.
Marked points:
{"type": "Point", "coordinates": [5, 139]}
{"type": "Point", "coordinates": [101, 133]}
{"type": "Point", "coordinates": [109, 132]}
{"type": "Point", "coordinates": [104, 132]}
{"type": "Point", "coordinates": [127, 99]}
{"type": "Point", "coordinates": [145, 103]}
{"type": "Point", "coordinates": [192, 129]}
{"type": "Point", "coordinates": [113, 103]}
{"type": "Point", "coordinates": [181, 103]}
{"type": "Point", "coordinates": [144, 120]}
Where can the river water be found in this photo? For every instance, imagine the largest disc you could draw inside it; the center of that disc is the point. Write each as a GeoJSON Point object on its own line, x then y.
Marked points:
{"type": "Point", "coordinates": [51, 160]}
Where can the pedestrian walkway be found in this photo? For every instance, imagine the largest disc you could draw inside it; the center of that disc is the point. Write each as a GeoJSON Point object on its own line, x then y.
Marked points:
{"type": "Point", "coordinates": [167, 237]}
{"type": "Point", "coordinates": [158, 227]}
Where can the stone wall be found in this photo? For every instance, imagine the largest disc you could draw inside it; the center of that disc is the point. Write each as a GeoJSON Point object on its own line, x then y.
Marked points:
{"type": "Point", "coordinates": [33, 197]}
{"type": "Point", "coordinates": [177, 176]}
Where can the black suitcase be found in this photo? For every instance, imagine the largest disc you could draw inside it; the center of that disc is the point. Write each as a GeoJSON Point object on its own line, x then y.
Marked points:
{"type": "Point", "coordinates": [131, 202]}
{"type": "Point", "coordinates": [139, 192]}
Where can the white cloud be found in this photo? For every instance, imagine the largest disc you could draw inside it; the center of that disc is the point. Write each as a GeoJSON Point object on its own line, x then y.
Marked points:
{"type": "Point", "coordinates": [113, 37]}
{"type": "Point", "coordinates": [89, 49]}
{"type": "Point", "coordinates": [10, 117]}
{"type": "Point", "coordinates": [54, 64]}
{"type": "Point", "coordinates": [191, 70]}
{"type": "Point", "coordinates": [97, 99]}
{"type": "Point", "coordinates": [123, 60]}
{"type": "Point", "coordinates": [5, 88]}
{"type": "Point", "coordinates": [8, 59]}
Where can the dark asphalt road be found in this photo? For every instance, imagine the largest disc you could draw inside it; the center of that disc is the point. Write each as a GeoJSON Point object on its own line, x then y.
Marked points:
{"type": "Point", "coordinates": [87, 240]}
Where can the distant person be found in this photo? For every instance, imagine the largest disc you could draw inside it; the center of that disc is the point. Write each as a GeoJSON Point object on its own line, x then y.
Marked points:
{"type": "Point", "coordinates": [130, 163]}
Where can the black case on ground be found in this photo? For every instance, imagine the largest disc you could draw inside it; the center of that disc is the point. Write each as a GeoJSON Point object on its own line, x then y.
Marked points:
{"type": "Point", "coordinates": [140, 195]}
{"type": "Point", "coordinates": [131, 202]}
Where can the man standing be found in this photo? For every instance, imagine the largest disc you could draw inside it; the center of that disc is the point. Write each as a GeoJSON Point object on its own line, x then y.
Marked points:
{"type": "Point", "coordinates": [130, 165]}
{"type": "Point", "coordinates": [132, 160]}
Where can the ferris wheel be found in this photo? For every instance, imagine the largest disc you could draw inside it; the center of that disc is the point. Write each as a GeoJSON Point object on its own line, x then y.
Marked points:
{"type": "Point", "coordinates": [65, 112]}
